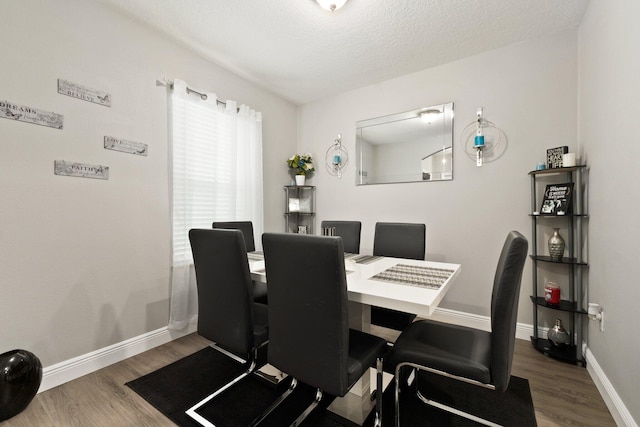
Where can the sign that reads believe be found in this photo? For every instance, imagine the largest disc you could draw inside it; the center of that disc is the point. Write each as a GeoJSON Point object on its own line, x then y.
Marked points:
{"type": "Point", "coordinates": [75, 90]}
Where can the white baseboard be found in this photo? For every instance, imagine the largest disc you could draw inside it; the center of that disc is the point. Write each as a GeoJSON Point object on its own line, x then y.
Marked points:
{"type": "Point", "coordinates": [60, 373]}
{"type": "Point", "coordinates": [523, 331]}
{"type": "Point", "coordinates": [71, 369]}
{"type": "Point", "coordinates": [616, 406]}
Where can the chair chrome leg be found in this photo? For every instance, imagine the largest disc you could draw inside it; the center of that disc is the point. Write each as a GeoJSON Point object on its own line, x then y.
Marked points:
{"type": "Point", "coordinates": [310, 408]}
{"type": "Point", "coordinates": [379, 373]}
{"type": "Point", "coordinates": [397, 395]}
{"type": "Point", "coordinates": [191, 412]}
{"type": "Point", "coordinates": [455, 411]}
{"type": "Point", "coordinates": [275, 404]}
{"type": "Point", "coordinates": [227, 353]}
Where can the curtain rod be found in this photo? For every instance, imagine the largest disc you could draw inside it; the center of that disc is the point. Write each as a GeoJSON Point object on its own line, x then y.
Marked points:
{"type": "Point", "coordinates": [169, 84]}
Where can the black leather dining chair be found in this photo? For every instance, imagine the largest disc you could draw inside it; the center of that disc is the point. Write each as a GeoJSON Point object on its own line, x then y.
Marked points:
{"type": "Point", "coordinates": [309, 335]}
{"type": "Point", "coordinates": [259, 289]}
{"type": "Point", "coordinates": [245, 226]}
{"type": "Point", "coordinates": [467, 354]}
{"type": "Point", "coordinates": [227, 314]}
{"type": "Point", "coordinates": [349, 231]}
{"type": "Point", "coordinates": [398, 240]}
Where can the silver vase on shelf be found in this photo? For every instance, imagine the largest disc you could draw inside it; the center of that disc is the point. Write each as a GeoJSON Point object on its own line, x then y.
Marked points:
{"type": "Point", "coordinates": [558, 335]}
{"type": "Point", "coordinates": [556, 246]}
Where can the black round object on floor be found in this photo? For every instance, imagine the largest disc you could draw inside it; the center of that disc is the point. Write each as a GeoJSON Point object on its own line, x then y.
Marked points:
{"type": "Point", "coordinates": [20, 378]}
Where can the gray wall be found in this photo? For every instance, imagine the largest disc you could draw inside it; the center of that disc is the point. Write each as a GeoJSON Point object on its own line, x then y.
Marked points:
{"type": "Point", "coordinates": [85, 263]}
{"type": "Point", "coordinates": [609, 112]}
{"type": "Point", "coordinates": [529, 90]}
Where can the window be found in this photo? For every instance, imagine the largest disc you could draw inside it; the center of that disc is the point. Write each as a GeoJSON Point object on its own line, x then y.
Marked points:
{"type": "Point", "coordinates": [216, 171]}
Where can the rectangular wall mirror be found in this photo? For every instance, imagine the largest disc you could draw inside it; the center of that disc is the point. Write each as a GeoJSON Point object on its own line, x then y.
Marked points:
{"type": "Point", "coordinates": [415, 146]}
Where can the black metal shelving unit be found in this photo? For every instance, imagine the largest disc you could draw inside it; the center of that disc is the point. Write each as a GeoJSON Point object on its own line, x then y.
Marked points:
{"type": "Point", "coordinates": [299, 209]}
{"type": "Point", "coordinates": [575, 263]}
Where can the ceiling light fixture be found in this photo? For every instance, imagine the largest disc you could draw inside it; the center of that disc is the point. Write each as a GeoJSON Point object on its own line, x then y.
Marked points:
{"type": "Point", "coordinates": [331, 5]}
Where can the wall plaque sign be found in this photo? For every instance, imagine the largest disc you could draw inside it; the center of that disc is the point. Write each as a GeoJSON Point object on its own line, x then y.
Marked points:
{"type": "Point", "coordinates": [75, 90]}
{"type": "Point", "coordinates": [81, 170]}
{"type": "Point", "coordinates": [9, 110]}
{"type": "Point", "coordinates": [131, 147]}
{"type": "Point", "coordinates": [554, 156]}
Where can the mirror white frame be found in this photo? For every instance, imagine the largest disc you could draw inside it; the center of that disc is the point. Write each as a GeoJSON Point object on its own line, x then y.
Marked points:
{"type": "Point", "coordinates": [414, 146]}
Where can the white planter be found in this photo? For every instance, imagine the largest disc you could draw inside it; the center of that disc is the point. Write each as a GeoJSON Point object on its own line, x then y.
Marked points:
{"type": "Point", "coordinates": [300, 179]}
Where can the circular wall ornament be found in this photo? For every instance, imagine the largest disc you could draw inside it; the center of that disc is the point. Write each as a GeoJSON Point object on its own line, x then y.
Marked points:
{"type": "Point", "coordinates": [494, 142]}
{"type": "Point", "coordinates": [336, 158]}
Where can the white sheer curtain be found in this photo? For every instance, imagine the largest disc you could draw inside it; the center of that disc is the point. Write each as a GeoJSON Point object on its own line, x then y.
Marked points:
{"type": "Point", "coordinates": [216, 169]}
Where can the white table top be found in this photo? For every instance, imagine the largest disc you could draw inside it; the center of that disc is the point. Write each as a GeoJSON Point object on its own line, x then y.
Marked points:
{"type": "Point", "coordinates": [362, 289]}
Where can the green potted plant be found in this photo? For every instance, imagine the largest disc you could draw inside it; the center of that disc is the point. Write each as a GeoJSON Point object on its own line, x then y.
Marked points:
{"type": "Point", "coordinates": [301, 165]}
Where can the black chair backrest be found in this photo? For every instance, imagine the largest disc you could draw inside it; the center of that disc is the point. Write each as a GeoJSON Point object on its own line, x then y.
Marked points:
{"type": "Point", "coordinates": [399, 240]}
{"type": "Point", "coordinates": [308, 317]}
{"type": "Point", "coordinates": [245, 226]}
{"type": "Point", "coordinates": [225, 292]}
{"type": "Point", "coordinates": [350, 233]}
{"type": "Point", "coordinates": [504, 307]}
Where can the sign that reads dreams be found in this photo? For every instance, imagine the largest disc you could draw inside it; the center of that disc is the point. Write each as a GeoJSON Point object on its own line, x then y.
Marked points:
{"type": "Point", "coordinates": [557, 199]}
{"type": "Point", "coordinates": [9, 110]}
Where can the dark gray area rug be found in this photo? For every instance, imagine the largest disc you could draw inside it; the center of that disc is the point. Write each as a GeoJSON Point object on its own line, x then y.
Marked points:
{"type": "Point", "coordinates": [176, 387]}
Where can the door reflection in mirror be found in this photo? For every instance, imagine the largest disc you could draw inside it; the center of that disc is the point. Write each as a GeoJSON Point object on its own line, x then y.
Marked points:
{"type": "Point", "coordinates": [414, 146]}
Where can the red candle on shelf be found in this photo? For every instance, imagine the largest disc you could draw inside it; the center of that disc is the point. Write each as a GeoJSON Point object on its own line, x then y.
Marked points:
{"type": "Point", "coordinates": [552, 293]}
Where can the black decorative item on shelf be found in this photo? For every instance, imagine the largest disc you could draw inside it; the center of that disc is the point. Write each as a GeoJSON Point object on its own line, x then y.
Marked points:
{"type": "Point", "coordinates": [557, 199]}
{"type": "Point", "coordinates": [20, 378]}
{"type": "Point", "coordinates": [554, 156]}
{"type": "Point", "coordinates": [564, 193]}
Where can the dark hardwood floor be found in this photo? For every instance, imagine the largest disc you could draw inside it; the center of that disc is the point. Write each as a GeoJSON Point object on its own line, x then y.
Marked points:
{"type": "Point", "coordinates": [563, 394]}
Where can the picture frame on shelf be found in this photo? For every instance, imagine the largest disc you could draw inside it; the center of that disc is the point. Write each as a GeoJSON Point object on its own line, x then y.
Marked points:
{"type": "Point", "coordinates": [554, 156]}
{"type": "Point", "coordinates": [557, 199]}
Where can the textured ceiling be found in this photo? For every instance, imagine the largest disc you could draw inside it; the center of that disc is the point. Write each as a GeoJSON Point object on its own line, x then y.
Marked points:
{"type": "Point", "coordinates": [302, 52]}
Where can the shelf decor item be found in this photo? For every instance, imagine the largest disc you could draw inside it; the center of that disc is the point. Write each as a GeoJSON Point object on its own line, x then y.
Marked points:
{"type": "Point", "coordinates": [301, 165]}
{"type": "Point", "coordinates": [552, 293]}
{"type": "Point", "coordinates": [20, 378]}
{"type": "Point", "coordinates": [557, 199]}
{"type": "Point", "coordinates": [558, 335]}
{"type": "Point", "coordinates": [554, 156]}
{"type": "Point", "coordinates": [556, 246]}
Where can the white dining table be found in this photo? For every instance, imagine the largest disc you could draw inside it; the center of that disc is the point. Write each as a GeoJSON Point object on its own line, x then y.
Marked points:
{"type": "Point", "coordinates": [365, 289]}
{"type": "Point", "coordinates": [368, 284]}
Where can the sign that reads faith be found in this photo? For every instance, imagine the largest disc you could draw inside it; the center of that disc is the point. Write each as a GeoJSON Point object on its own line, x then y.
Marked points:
{"type": "Point", "coordinates": [75, 90]}
{"type": "Point", "coordinates": [81, 170]}
{"type": "Point", "coordinates": [9, 110]}
{"type": "Point", "coordinates": [131, 147]}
